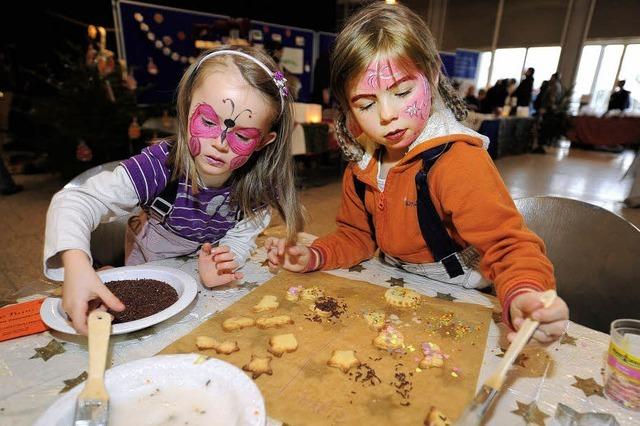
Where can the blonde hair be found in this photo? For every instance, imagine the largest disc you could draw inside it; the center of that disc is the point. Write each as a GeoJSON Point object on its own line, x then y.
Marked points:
{"type": "Point", "coordinates": [267, 179]}
{"type": "Point", "coordinates": [392, 31]}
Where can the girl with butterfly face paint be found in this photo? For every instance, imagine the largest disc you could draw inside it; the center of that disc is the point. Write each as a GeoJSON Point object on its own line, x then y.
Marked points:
{"type": "Point", "coordinates": [421, 187]}
{"type": "Point", "coordinates": [209, 190]}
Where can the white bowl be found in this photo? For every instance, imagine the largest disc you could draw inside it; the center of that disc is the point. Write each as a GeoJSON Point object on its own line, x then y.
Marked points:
{"type": "Point", "coordinates": [150, 390]}
{"type": "Point", "coordinates": [54, 316]}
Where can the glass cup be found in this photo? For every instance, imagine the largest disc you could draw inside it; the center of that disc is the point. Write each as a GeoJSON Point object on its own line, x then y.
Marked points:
{"type": "Point", "coordinates": [622, 380]}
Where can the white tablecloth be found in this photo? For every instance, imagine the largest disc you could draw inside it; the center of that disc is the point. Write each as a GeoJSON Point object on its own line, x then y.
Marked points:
{"type": "Point", "coordinates": [29, 385]}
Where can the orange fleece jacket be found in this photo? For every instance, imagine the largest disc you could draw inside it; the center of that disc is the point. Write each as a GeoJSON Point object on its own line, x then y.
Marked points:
{"type": "Point", "coordinates": [469, 195]}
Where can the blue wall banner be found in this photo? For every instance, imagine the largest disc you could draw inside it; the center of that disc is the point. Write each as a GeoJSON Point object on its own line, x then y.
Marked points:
{"type": "Point", "coordinates": [159, 43]}
{"type": "Point", "coordinates": [466, 64]}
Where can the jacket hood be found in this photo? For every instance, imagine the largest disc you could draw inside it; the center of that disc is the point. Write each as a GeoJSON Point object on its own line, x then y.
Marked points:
{"type": "Point", "coordinates": [441, 128]}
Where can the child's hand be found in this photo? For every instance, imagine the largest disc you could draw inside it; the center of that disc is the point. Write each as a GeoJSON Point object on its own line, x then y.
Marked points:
{"type": "Point", "coordinates": [292, 258]}
{"type": "Point", "coordinates": [217, 265]}
{"type": "Point", "coordinates": [553, 320]}
{"type": "Point", "coordinates": [81, 285]}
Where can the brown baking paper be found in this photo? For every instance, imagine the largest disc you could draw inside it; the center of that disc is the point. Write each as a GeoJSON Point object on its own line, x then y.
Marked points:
{"type": "Point", "coordinates": [304, 390]}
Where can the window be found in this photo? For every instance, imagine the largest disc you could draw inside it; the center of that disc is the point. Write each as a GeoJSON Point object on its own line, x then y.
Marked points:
{"type": "Point", "coordinates": [586, 72]}
{"type": "Point", "coordinates": [483, 67]}
{"type": "Point", "coordinates": [606, 76]}
{"type": "Point", "coordinates": [507, 64]}
{"type": "Point", "coordinates": [630, 72]}
{"type": "Point", "coordinates": [544, 60]}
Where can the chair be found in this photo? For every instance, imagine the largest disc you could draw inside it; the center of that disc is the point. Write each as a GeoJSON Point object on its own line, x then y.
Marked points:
{"type": "Point", "coordinates": [107, 241]}
{"type": "Point", "coordinates": [596, 255]}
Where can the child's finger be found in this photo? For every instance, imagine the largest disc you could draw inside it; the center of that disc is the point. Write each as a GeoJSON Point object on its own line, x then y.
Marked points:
{"type": "Point", "coordinates": [557, 311]}
{"type": "Point", "coordinates": [227, 266]}
{"type": "Point", "coordinates": [281, 246]}
{"type": "Point", "coordinates": [206, 248]}
{"type": "Point", "coordinates": [272, 256]}
{"type": "Point", "coordinates": [219, 250]}
{"type": "Point", "coordinates": [269, 242]}
{"type": "Point", "coordinates": [224, 257]}
{"type": "Point", "coordinates": [294, 250]}
{"type": "Point", "coordinates": [238, 275]}
{"type": "Point", "coordinates": [109, 299]}
{"type": "Point", "coordinates": [226, 278]}
{"type": "Point", "coordinates": [78, 318]}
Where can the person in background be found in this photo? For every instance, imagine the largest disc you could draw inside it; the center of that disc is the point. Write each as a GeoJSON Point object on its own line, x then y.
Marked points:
{"type": "Point", "coordinates": [619, 98]}
{"type": "Point", "coordinates": [473, 103]}
{"type": "Point", "coordinates": [482, 96]}
{"type": "Point", "coordinates": [496, 97]}
{"type": "Point", "coordinates": [523, 92]}
{"type": "Point", "coordinates": [537, 103]}
{"type": "Point", "coordinates": [553, 95]}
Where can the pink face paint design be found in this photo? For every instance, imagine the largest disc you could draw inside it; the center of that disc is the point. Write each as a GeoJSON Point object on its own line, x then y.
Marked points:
{"type": "Point", "coordinates": [391, 102]}
{"type": "Point", "coordinates": [244, 140]}
{"type": "Point", "coordinates": [382, 75]}
{"type": "Point", "coordinates": [204, 123]}
{"type": "Point", "coordinates": [419, 106]}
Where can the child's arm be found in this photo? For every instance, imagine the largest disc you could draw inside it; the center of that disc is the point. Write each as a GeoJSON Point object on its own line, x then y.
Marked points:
{"type": "Point", "coordinates": [217, 266]}
{"type": "Point", "coordinates": [472, 194]}
{"type": "Point", "coordinates": [75, 212]}
{"type": "Point", "coordinates": [352, 242]}
{"type": "Point", "coordinates": [81, 285]}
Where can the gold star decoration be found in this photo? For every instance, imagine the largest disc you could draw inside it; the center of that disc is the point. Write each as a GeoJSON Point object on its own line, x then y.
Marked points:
{"type": "Point", "coordinates": [396, 282]}
{"type": "Point", "coordinates": [530, 413]}
{"type": "Point", "coordinates": [71, 383]}
{"type": "Point", "coordinates": [357, 268]}
{"type": "Point", "coordinates": [445, 296]}
{"type": "Point", "coordinates": [568, 340]}
{"type": "Point", "coordinates": [52, 349]}
{"type": "Point", "coordinates": [496, 316]}
{"type": "Point", "coordinates": [588, 386]}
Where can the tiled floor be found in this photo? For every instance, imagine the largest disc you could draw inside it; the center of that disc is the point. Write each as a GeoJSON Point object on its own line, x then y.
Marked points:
{"type": "Point", "coordinates": [590, 176]}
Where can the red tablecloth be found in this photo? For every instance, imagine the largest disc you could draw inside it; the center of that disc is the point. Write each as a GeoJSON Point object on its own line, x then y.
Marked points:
{"type": "Point", "coordinates": [605, 131]}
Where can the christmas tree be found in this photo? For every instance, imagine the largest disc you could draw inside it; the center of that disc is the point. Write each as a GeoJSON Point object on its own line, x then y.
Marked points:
{"type": "Point", "coordinates": [87, 105]}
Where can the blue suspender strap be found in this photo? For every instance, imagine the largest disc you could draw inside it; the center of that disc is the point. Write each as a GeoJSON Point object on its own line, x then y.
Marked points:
{"type": "Point", "coordinates": [162, 205]}
{"type": "Point", "coordinates": [360, 188]}
{"type": "Point", "coordinates": [435, 235]}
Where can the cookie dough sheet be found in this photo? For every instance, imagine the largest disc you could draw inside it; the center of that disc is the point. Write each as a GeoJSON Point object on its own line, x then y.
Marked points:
{"type": "Point", "coordinates": [433, 359]}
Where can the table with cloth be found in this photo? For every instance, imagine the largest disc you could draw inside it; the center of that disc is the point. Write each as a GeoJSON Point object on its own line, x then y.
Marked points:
{"type": "Point", "coordinates": [591, 130]}
{"type": "Point", "coordinates": [508, 135]}
{"type": "Point", "coordinates": [36, 369]}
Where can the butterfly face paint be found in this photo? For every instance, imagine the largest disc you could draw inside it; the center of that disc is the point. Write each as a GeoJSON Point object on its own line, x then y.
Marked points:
{"type": "Point", "coordinates": [206, 124]}
{"type": "Point", "coordinates": [391, 103]}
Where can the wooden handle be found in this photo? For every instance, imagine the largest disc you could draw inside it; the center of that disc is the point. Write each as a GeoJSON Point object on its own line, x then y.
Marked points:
{"type": "Point", "coordinates": [99, 332]}
{"type": "Point", "coordinates": [525, 332]}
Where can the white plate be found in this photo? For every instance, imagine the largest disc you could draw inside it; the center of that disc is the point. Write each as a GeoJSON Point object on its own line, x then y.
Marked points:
{"type": "Point", "coordinates": [54, 316]}
{"type": "Point", "coordinates": [150, 390]}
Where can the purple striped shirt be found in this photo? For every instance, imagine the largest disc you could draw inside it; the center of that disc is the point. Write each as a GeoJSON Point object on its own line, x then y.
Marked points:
{"type": "Point", "coordinates": [203, 217]}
